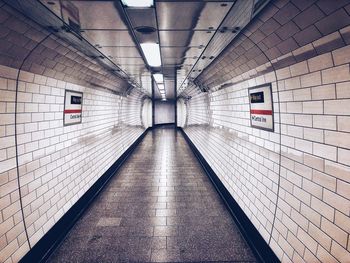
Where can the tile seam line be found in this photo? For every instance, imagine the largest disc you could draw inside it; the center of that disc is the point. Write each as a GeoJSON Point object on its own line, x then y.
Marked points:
{"type": "Point", "coordinates": [16, 141]}
{"type": "Point", "coordinates": [280, 135]}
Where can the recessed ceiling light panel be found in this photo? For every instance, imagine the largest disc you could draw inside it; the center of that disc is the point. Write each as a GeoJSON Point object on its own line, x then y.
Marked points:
{"type": "Point", "coordinates": [158, 77]}
{"type": "Point", "coordinates": [138, 3]}
{"type": "Point", "coordinates": [152, 54]}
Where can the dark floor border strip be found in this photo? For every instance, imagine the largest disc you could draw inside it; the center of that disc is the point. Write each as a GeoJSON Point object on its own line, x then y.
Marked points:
{"type": "Point", "coordinates": [256, 242]}
{"type": "Point", "coordinates": [163, 124]}
{"type": "Point", "coordinates": [49, 242]}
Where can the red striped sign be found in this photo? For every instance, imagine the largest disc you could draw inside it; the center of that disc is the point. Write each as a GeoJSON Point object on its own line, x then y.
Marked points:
{"type": "Point", "coordinates": [72, 111]}
{"type": "Point", "coordinates": [261, 112]}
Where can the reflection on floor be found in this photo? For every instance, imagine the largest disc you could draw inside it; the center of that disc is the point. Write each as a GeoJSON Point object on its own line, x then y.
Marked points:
{"type": "Point", "coordinates": [160, 207]}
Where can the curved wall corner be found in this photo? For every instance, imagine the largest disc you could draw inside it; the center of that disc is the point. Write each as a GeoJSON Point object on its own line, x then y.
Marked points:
{"type": "Point", "coordinates": [181, 112]}
{"type": "Point", "coordinates": [13, 233]}
{"type": "Point", "coordinates": [146, 113]}
{"type": "Point", "coordinates": [293, 183]}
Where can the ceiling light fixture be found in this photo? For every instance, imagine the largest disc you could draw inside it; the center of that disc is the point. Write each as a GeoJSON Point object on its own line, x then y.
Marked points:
{"type": "Point", "coordinates": [161, 89]}
{"type": "Point", "coordinates": [138, 3]}
{"type": "Point", "coordinates": [152, 54]}
{"type": "Point", "coordinates": [158, 77]}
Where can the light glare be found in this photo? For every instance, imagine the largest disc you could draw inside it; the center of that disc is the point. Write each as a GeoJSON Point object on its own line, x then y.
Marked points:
{"type": "Point", "coordinates": [152, 53]}
{"type": "Point", "coordinates": [158, 77]}
{"type": "Point", "coordinates": [138, 3]}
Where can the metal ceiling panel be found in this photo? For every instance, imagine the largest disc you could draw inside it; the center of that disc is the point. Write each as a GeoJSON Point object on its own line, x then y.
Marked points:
{"type": "Point", "coordinates": [212, 15]}
{"type": "Point", "coordinates": [189, 33]}
{"type": "Point", "coordinates": [169, 72]}
{"type": "Point", "coordinates": [191, 15]}
{"type": "Point", "coordinates": [184, 38]}
{"type": "Point", "coordinates": [172, 61]}
{"type": "Point", "coordinates": [142, 17]}
{"type": "Point", "coordinates": [134, 69]}
{"type": "Point", "coordinates": [178, 15]}
{"type": "Point", "coordinates": [190, 54]}
{"type": "Point", "coordinates": [175, 38]}
{"type": "Point", "coordinates": [109, 38]}
{"type": "Point", "coordinates": [121, 52]}
{"type": "Point", "coordinates": [237, 19]}
{"type": "Point", "coordinates": [53, 5]}
{"type": "Point", "coordinates": [129, 61]}
{"type": "Point", "coordinates": [99, 15]}
{"type": "Point", "coordinates": [193, 52]}
{"type": "Point", "coordinates": [173, 52]}
{"type": "Point", "coordinates": [70, 36]}
{"type": "Point", "coordinates": [201, 38]}
{"type": "Point", "coordinates": [147, 38]}
{"type": "Point", "coordinates": [239, 16]}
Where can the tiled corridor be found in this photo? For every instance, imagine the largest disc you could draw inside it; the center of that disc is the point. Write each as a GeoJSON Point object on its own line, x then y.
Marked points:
{"type": "Point", "coordinates": [160, 207]}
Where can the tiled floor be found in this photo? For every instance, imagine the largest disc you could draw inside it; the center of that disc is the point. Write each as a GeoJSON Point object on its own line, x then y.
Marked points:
{"type": "Point", "coordinates": [160, 207]}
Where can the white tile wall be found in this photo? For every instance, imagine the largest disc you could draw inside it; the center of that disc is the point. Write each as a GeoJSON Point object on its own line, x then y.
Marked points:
{"type": "Point", "coordinates": [246, 160]}
{"type": "Point", "coordinates": [306, 161]}
{"type": "Point", "coordinates": [56, 164]}
{"type": "Point", "coordinates": [13, 240]}
{"type": "Point", "coordinates": [59, 165]}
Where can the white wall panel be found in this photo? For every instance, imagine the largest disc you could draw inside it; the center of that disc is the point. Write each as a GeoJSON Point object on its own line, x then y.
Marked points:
{"type": "Point", "coordinates": [164, 112]}
{"type": "Point", "coordinates": [147, 113]}
{"type": "Point", "coordinates": [181, 112]}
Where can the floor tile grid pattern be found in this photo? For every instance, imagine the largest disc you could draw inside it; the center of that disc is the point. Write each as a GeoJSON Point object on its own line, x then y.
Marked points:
{"type": "Point", "coordinates": [160, 207]}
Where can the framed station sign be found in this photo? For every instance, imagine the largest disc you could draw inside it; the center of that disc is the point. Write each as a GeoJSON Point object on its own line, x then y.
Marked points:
{"type": "Point", "coordinates": [261, 107]}
{"type": "Point", "coordinates": [73, 102]}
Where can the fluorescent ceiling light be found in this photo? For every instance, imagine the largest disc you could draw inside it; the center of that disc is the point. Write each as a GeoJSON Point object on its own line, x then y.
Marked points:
{"type": "Point", "coordinates": [138, 3]}
{"type": "Point", "coordinates": [158, 77]}
{"type": "Point", "coordinates": [152, 53]}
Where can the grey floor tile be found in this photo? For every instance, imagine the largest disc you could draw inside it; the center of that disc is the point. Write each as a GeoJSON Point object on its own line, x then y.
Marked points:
{"type": "Point", "coordinates": [159, 207]}
{"type": "Point", "coordinates": [166, 255]}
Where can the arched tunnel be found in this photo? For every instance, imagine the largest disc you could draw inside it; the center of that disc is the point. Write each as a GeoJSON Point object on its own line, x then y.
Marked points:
{"type": "Point", "coordinates": [174, 131]}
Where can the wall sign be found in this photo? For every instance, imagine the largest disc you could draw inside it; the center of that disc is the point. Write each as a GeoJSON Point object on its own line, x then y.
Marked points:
{"type": "Point", "coordinates": [73, 101]}
{"type": "Point", "coordinates": [261, 107]}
